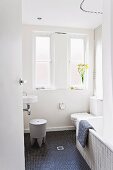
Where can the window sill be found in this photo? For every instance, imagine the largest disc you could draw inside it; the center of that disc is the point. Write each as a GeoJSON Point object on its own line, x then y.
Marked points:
{"type": "Point", "coordinates": [82, 87]}
{"type": "Point", "coordinates": [45, 89]}
{"type": "Point", "coordinates": [77, 88]}
{"type": "Point", "coordinates": [53, 89]}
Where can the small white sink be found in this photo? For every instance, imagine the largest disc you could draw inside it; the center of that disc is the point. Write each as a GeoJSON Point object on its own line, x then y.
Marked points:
{"type": "Point", "coordinates": [29, 99]}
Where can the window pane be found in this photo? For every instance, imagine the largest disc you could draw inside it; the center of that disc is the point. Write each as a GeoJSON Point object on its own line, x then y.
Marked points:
{"type": "Point", "coordinates": [75, 78]}
{"type": "Point", "coordinates": [42, 48]}
{"type": "Point", "coordinates": [42, 74]}
{"type": "Point", "coordinates": [77, 50]}
{"type": "Point", "coordinates": [77, 57]}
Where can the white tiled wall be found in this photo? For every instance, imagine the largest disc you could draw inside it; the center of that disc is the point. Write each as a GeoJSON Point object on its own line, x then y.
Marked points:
{"type": "Point", "coordinates": [97, 155]}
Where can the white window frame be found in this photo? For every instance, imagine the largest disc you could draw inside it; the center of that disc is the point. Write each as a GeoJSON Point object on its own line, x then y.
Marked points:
{"type": "Point", "coordinates": [85, 38]}
{"type": "Point", "coordinates": [34, 35]}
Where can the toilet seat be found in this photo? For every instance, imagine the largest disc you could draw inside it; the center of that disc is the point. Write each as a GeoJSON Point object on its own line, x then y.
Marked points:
{"type": "Point", "coordinates": [80, 116]}
{"type": "Point", "coordinates": [77, 117]}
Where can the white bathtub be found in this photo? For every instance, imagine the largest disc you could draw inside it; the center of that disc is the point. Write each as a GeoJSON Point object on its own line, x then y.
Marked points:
{"type": "Point", "coordinates": [99, 152]}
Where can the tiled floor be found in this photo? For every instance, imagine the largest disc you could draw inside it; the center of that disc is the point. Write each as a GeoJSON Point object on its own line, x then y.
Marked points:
{"type": "Point", "coordinates": [49, 158]}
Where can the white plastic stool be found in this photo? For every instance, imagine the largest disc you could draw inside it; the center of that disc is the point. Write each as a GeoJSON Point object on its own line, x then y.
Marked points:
{"type": "Point", "coordinates": [38, 131]}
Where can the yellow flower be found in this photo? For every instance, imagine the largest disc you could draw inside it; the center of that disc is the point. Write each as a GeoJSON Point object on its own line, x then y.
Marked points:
{"type": "Point", "coordinates": [81, 69]}
{"type": "Point", "coordinates": [87, 66]}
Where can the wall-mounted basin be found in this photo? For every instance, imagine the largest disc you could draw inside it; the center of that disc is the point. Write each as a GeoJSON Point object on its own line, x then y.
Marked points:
{"type": "Point", "coordinates": [29, 99]}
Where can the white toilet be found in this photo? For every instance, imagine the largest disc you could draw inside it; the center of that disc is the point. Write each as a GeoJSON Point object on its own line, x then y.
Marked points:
{"type": "Point", "coordinates": [95, 110]}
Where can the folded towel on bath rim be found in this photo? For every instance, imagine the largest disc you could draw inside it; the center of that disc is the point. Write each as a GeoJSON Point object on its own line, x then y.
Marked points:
{"type": "Point", "coordinates": [83, 132]}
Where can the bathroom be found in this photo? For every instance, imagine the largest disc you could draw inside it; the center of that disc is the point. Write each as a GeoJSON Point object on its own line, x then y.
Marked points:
{"type": "Point", "coordinates": [58, 92]}
{"type": "Point", "coordinates": [74, 100]}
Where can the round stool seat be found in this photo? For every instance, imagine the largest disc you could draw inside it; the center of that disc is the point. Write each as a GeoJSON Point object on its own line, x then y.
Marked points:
{"type": "Point", "coordinates": [38, 121]}
{"type": "Point", "coordinates": [38, 130]}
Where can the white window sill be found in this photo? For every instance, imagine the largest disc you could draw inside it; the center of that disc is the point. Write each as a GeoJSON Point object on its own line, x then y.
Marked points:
{"type": "Point", "coordinates": [45, 88]}
{"type": "Point", "coordinates": [77, 88]}
{"type": "Point", "coordinates": [53, 89]}
{"type": "Point", "coordinates": [81, 87]}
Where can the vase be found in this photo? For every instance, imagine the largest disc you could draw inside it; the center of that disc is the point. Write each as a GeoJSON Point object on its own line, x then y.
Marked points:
{"type": "Point", "coordinates": [82, 82]}
{"type": "Point", "coordinates": [82, 76]}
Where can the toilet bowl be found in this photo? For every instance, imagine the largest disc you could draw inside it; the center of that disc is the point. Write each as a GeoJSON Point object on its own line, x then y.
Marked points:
{"type": "Point", "coordinates": [80, 116]}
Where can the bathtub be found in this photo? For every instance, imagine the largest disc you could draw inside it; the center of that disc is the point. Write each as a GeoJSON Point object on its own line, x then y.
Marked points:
{"type": "Point", "coordinates": [99, 152]}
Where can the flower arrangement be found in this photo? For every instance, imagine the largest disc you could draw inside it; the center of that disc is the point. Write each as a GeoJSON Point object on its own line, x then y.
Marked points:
{"type": "Point", "coordinates": [82, 69]}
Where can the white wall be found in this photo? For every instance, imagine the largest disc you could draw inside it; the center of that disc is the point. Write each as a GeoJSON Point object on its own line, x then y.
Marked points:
{"type": "Point", "coordinates": [11, 114]}
{"type": "Point", "coordinates": [108, 68]}
{"type": "Point", "coordinates": [98, 63]}
{"type": "Point", "coordinates": [48, 100]}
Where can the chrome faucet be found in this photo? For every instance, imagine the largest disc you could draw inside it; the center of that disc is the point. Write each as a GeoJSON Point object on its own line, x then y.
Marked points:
{"type": "Point", "coordinates": [27, 109]}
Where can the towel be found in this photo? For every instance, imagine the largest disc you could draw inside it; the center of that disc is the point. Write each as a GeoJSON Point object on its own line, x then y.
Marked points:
{"type": "Point", "coordinates": [83, 131]}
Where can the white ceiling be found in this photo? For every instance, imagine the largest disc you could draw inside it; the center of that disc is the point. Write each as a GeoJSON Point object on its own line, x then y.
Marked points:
{"type": "Point", "coordinates": [65, 13]}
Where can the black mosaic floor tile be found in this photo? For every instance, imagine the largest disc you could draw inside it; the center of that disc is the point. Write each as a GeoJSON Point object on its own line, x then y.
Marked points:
{"type": "Point", "coordinates": [49, 158]}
